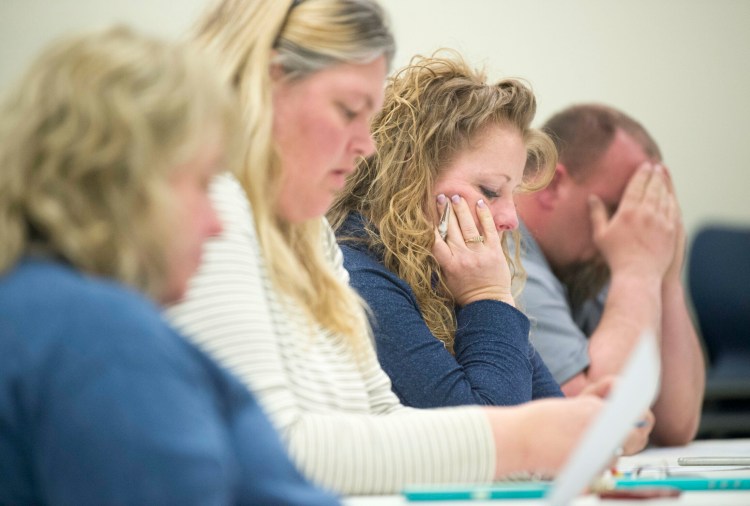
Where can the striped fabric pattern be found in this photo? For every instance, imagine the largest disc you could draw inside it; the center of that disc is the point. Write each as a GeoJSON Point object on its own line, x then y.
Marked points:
{"type": "Point", "coordinates": [344, 427]}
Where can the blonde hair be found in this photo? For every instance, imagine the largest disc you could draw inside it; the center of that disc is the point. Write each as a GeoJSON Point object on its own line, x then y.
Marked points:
{"type": "Point", "coordinates": [247, 37]}
{"type": "Point", "coordinates": [89, 135]}
{"type": "Point", "coordinates": [433, 110]}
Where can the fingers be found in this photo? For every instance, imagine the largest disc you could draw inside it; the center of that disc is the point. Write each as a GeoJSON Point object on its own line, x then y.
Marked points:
{"type": "Point", "coordinates": [598, 214]}
{"type": "Point", "coordinates": [491, 236]}
{"type": "Point", "coordinates": [638, 436]}
{"type": "Point", "coordinates": [637, 186]}
{"type": "Point", "coordinates": [457, 224]}
{"type": "Point", "coordinates": [469, 229]}
{"type": "Point", "coordinates": [655, 192]}
{"type": "Point", "coordinates": [600, 388]}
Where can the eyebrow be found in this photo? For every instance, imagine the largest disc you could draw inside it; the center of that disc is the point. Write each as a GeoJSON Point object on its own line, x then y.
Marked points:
{"type": "Point", "coordinates": [506, 176]}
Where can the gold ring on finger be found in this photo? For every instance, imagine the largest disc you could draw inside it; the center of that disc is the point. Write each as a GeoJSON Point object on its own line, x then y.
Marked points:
{"type": "Point", "coordinates": [478, 238]}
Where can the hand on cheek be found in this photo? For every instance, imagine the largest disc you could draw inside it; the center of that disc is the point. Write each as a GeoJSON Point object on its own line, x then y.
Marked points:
{"type": "Point", "coordinates": [471, 257]}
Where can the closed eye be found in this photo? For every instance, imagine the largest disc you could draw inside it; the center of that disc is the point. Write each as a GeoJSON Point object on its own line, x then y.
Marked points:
{"type": "Point", "coordinates": [488, 193]}
{"type": "Point", "coordinates": [347, 113]}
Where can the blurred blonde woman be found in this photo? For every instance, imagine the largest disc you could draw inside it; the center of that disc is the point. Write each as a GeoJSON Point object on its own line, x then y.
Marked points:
{"type": "Point", "coordinates": [271, 299]}
{"type": "Point", "coordinates": [449, 144]}
{"type": "Point", "coordinates": [108, 144]}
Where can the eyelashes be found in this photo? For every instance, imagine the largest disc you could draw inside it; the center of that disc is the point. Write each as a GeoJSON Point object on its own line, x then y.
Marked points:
{"type": "Point", "coordinates": [488, 193]}
{"type": "Point", "coordinates": [347, 113]}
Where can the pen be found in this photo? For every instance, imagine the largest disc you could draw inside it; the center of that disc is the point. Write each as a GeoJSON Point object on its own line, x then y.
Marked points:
{"type": "Point", "coordinates": [443, 224]}
{"type": "Point", "coordinates": [715, 461]}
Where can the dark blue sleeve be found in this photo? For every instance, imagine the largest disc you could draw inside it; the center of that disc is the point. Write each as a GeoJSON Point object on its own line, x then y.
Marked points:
{"type": "Point", "coordinates": [491, 365]}
{"type": "Point", "coordinates": [544, 383]}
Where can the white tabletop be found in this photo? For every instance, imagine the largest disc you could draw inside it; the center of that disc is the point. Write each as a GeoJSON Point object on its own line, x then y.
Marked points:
{"type": "Point", "coordinates": [652, 461]}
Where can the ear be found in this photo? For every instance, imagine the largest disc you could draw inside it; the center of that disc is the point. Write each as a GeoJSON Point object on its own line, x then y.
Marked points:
{"type": "Point", "coordinates": [548, 197]}
{"type": "Point", "coordinates": [275, 70]}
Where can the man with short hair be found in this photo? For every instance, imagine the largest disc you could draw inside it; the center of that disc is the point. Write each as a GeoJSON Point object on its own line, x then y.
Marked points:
{"type": "Point", "coordinates": [603, 248]}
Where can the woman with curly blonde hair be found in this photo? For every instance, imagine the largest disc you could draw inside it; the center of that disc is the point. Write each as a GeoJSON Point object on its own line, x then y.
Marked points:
{"type": "Point", "coordinates": [448, 144]}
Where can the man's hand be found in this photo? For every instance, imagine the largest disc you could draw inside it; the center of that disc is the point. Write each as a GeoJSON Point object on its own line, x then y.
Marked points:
{"type": "Point", "coordinates": [674, 272]}
{"type": "Point", "coordinates": [640, 237]}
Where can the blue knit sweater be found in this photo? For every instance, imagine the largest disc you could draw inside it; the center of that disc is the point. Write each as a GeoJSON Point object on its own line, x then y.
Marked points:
{"type": "Point", "coordinates": [494, 362]}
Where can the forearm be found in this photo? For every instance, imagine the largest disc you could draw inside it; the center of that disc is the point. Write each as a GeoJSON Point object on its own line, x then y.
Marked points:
{"type": "Point", "coordinates": [633, 306]}
{"type": "Point", "coordinates": [359, 454]}
{"type": "Point", "coordinates": [493, 350]}
{"type": "Point", "coordinates": [491, 363]}
{"type": "Point", "coordinates": [678, 406]}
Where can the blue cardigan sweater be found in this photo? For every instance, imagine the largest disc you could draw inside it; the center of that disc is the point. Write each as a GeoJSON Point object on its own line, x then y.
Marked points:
{"type": "Point", "coordinates": [101, 402]}
{"type": "Point", "coordinates": [494, 362]}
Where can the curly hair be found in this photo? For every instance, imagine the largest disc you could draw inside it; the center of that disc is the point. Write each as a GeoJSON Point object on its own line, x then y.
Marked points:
{"type": "Point", "coordinates": [246, 37]}
{"type": "Point", "coordinates": [88, 138]}
{"type": "Point", "coordinates": [433, 109]}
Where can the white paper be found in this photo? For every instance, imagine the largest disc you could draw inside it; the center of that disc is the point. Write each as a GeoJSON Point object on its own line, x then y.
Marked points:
{"type": "Point", "coordinates": [631, 396]}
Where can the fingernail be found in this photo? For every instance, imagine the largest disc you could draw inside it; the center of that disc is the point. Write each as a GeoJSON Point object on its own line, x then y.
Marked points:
{"type": "Point", "coordinates": [456, 199]}
{"type": "Point", "coordinates": [480, 203]}
{"type": "Point", "coordinates": [441, 199]}
{"type": "Point", "coordinates": [658, 167]}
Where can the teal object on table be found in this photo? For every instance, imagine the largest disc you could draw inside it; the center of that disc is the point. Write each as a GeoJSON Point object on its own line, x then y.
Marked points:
{"type": "Point", "coordinates": [525, 490]}
{"type": "Point", "coordinates": [687, 483]}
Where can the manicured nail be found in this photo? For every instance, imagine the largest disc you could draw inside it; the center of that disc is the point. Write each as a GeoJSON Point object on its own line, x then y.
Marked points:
{"type": "Point", "coordinates": [456, 199]}
{"type": "Point", "coordinates": [480, 203]}
{"type": "Point", "coordinates": [441, 199]}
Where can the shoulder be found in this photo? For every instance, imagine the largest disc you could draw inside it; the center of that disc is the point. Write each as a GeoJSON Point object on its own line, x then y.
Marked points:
{"type": "Point", "coordinates": [57, 290]}
{"type": "Point", "coordinates": [540, 280]}
{"type": "Point", "coordinates": [64, 313]}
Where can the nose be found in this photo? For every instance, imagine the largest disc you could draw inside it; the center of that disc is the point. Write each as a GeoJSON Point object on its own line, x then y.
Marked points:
{"type": "Point", "coordinates": [362, 143]}
{"type": "Point", "coordinates": [505, 216]}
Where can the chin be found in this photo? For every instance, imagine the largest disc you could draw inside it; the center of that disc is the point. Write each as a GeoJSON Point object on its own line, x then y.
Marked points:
{"type": "Point", "coordinates": [173, 296]}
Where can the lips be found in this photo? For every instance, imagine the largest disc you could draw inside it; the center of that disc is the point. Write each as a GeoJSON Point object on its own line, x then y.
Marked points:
{"type": "Point", "coordinates": [339, 177]}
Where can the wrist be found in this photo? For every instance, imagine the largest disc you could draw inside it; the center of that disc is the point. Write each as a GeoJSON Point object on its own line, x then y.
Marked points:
{"type": "Point", "coordinates": [509, 434]}
{"type": "Point", "coordinates": [477, 295]}
{"type": "Point", "coordinates": [637, 279]}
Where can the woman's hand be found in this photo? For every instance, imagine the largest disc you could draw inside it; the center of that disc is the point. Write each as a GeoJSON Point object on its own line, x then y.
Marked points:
{"type": "Point", "coordinates": [471, 256]}
{"type": "Point", "coordinates": [539, 436]}
{"type": "Point", "coordinates": [638, 436]}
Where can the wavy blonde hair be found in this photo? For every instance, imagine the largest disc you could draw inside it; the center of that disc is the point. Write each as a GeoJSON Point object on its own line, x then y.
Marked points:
{"type": "Point", "coordinates": [433, 110]}
{"type": "Point", "coordinates": [247, 37]}
{"type": "Point", "coordinates": [89, 135]}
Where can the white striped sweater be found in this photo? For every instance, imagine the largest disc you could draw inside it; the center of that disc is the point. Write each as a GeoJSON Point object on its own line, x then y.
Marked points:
{"type": "Point", "coordinates": [343, 425]}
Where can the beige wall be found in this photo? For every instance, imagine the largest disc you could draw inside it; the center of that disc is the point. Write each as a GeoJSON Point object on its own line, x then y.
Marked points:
{"type": "Point", "coordinates": [680, 66]}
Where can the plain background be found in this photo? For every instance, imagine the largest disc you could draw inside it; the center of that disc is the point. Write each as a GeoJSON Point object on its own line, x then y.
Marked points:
{"type": "Point", "coordinates": [679, 66]}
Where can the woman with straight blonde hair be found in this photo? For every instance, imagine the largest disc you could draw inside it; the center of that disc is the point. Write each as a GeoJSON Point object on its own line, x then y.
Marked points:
{"type": "Point", "coordinates": [271, 299]}
{"type": "Point", "coordinates": [107, 147]}
{"type": "Point", "coordinates": [446, 328]}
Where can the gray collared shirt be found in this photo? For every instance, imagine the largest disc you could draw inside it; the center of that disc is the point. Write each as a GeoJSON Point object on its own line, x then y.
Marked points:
{"type": "Point", "coordinates": [559, 336]}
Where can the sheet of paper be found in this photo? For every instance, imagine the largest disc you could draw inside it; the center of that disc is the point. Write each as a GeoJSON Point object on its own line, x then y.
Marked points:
{"type": "Point", "coordinates": [631, 396]}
